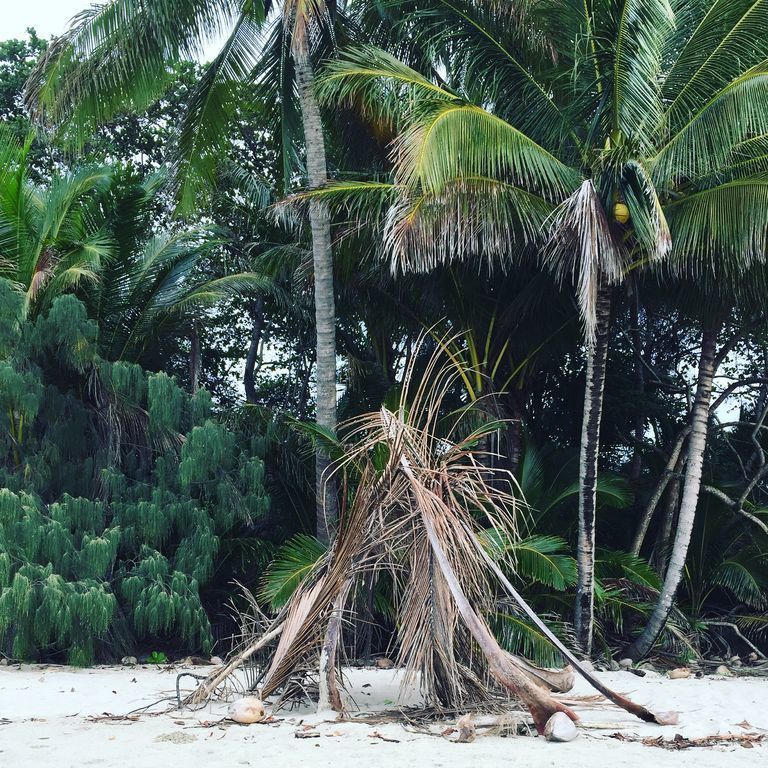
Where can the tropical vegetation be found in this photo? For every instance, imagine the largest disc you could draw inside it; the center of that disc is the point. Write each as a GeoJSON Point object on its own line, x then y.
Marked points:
{"type": "Point", "coordinates": [234, 235]}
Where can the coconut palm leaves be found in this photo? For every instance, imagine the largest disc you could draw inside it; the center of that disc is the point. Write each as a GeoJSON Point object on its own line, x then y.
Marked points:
{"type": "Point", "coordinates": [591, 133]}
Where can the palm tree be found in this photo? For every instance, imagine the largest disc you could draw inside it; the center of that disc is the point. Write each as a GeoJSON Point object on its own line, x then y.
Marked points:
{"type": "Point", "coordinates": [49, 240]}
{"type": "Point", "coordinates": [155, 286]}
{"type": "Point", "coordinates": [117, 55]}
{"type": "Point", "coordinates": [651, 115]}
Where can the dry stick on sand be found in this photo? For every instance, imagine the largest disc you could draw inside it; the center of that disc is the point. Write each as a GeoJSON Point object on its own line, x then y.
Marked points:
{"type": "Point", "coordinates": [201, 694]}
{"type": "Point", "coordinates": [329, 695]}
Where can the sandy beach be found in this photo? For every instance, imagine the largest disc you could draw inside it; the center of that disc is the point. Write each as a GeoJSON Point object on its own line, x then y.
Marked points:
{"type": "Point", "coordinates": [65, 717]}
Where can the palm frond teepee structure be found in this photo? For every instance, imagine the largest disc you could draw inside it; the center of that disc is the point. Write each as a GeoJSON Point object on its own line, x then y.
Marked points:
{"type": "Point", "coordinates": [424, 498]}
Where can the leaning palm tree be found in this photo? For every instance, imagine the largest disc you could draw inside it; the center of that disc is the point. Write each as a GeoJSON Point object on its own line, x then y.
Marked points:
{"type": "Point", "coordinates": [587, 134]}
{"type": "Point", "coordinates": [116, 55]}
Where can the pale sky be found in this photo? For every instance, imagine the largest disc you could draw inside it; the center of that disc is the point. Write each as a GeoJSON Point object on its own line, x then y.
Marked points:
{"type": "Point", "coordinates": [48, 17]}
{"type": "Point", "coordinates": [51, 17]}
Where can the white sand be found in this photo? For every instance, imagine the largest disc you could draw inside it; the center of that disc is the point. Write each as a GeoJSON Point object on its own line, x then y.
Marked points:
{"type": "Point", "coordinates": [44, 713]}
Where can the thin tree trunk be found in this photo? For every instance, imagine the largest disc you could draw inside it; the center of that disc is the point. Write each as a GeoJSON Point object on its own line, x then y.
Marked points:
{"type": "Point", "coordinates": [194, 359]}
{"type": "Point", "coordinates": [691, 489]}
{"type": "Point", "coordinates": [590, 448]}
{"type": "Point", "coordinates": [249, 376]}
{"type": "Point", "coordinates": [667, 475]}
{"type": "Point", "coordinates": [636, 465]}
{"type": "Point", "coordinates": [660, 557]}
{"type": "Point", "coordinates": [325, 310]}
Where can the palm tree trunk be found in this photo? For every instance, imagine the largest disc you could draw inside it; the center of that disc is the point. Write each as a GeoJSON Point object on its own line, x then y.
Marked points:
{"type": "Point", "coordinates": [249, 375]}
{"type": "Point", "coordinates": [325, 310]}
{"type": "Point", "coordinates": [691, 488]}
{"type": "Point", "coordinates": [590, 448]}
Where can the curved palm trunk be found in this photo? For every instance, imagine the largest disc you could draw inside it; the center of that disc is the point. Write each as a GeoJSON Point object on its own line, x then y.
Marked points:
{"type": "Point", "coordinates": [691, 489]}
{"type": "Point", "coordinates": [325, 310]}
{"type": "Point", "coordinates": [590, 448]}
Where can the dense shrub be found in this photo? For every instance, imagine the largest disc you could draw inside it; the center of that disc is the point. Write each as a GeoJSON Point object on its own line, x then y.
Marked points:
{"type": "Point", "coordinates": [118, 490]}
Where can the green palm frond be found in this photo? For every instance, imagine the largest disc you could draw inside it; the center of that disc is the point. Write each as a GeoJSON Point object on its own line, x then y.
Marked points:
{"type": "Point", "coordinates": [116, 55]}
{"type": "Point", "coordinates": [456, 140]}
{"type": "Point", "coordinates": [744, 576]}
{"type": "Point", "coordinates": [721, 231]}
{"type": "Point", "coordinates": [212, 105]}
{"type": "Point", "coordinates": [519, 636]}
{"type": "Point", "coordinates": [755, 624]}
{"type": "Point", "coordinates": [727, 40]}
{"type": "Point", "coordinates": [710, 134]}
{"type": "Point", "coordinates": [294, 561]}
{"type": "Point", "coordinates": [538, 558]}
{"type": "Point", "coordinates": [642, 30]}
{"type": "Point", "coordinates": [624, 565]}
{"type": "Point", "coordinates": [376, 82]}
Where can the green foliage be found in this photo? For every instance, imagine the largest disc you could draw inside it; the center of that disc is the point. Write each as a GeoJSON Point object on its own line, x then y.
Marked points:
{"type": "Point", "coordinates": [119, 489]}
{"type": "Point", "coordinates": [290, 566]}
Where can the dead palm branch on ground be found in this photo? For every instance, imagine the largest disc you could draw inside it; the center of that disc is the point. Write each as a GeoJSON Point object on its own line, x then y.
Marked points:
{"type": "Point", "coordinates": [424, 497]}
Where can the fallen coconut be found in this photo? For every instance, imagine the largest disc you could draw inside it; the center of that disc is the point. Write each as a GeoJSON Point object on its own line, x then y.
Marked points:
{"type": "Point", "coordinates": [625, 663]}
{"type": "Point", "coordinates": [681, 673]}
{"type": "Point", "coordinates": [247, 710]}
{"type": "Point", "coordinates": [723, 671]}
{"type": "Point", "coordinates": [129, 661]}
{"type": "Point", "coordinates": [385, 663]}
{"type": "Point", "coordinates": [560, 728]}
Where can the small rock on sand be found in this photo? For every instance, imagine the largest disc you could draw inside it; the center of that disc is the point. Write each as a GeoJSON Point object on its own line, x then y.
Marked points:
{"type": "Point", "coordinates": [723, 671]}
{"type": "Point", "coordinates": [385, 663]}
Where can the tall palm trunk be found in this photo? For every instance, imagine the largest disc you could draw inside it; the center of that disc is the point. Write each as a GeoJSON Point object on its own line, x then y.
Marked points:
{"type": "Point", "coordinates": [691, 488]}
{"type": "Point", "coordinates": [590, 447]}
{"type": "Point", "coordinates": [325, 310]}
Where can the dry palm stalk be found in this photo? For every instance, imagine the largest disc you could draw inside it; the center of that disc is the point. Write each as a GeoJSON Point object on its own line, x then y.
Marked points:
{"type": "Point", "coordinates": [421, 493]}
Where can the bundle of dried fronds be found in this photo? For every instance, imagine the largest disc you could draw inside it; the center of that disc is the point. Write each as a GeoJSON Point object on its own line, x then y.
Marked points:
{"type": "Point", "coordinates": [424, 496]}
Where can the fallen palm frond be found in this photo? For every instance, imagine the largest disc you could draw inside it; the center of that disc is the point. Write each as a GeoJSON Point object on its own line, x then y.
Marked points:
{"type": "Point", "coordinates": [424, 499]}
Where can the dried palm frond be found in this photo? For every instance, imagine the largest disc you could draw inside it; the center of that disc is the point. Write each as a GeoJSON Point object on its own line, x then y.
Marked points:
{"type": "Point", "coordinates": [425, 501]}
